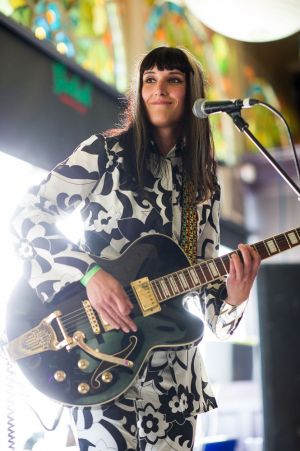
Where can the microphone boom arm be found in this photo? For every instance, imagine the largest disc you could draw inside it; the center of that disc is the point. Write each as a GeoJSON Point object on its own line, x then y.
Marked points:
{"type": "Point", "coordinates": [243, 127]}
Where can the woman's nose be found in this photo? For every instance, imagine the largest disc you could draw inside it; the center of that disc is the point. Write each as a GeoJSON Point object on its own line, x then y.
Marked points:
{"type": "Point", "coordinates": [161, 88]}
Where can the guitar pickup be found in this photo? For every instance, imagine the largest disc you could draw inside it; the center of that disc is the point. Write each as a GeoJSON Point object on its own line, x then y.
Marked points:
{"type": "Point", "coordinates": [145, 296]}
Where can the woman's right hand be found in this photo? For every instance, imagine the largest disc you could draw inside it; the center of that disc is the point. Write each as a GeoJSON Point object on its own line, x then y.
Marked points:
{"type": "Point", "coordinates": [109, 299]}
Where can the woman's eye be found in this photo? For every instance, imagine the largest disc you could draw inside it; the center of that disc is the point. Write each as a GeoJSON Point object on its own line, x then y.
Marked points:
{"type": "Point", "coordinates": [149, 80]}
{"type": "Point", "coordinates": [175, 80]}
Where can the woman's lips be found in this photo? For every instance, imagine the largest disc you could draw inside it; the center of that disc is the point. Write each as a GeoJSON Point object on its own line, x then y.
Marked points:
{"type": "Point", "coordinates": [161, 103]}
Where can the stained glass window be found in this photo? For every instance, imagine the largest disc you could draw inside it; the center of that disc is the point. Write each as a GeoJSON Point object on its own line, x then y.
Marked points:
{"type": "Point", "coordinates": [171, 23]}
{"type": "Point", "coordinates": [87, 30]}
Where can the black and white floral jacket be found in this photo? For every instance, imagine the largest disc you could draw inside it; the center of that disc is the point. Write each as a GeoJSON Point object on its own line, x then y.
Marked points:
{"type": "Point", "coordinates": [95, 180]}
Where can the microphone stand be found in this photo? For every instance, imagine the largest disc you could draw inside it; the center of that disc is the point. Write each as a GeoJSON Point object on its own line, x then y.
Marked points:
{"type": "Point", "coordinates": [243, 127]}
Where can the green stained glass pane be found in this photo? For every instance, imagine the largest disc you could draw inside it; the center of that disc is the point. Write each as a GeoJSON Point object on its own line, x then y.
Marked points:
{"type": "Point", "coordinates": [86, 30]}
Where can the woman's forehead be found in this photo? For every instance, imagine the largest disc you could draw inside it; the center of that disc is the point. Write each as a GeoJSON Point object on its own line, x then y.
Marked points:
{"type": "Point", "coordinates": [155, 69]}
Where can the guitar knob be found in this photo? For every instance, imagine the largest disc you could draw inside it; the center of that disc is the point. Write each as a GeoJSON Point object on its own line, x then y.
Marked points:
{"type": "Point", "coordinates": [60, 376]}
{"type": "Point", "coordinates": [107, 377]}
{"type": "Point", "coordinates": [83, 364]}
{"type": "Point", "coordinates": [83, 388]}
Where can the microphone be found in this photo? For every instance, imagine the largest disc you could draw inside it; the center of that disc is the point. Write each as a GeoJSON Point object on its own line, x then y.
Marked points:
{"type": "Point", "coordinates": [203, 108]}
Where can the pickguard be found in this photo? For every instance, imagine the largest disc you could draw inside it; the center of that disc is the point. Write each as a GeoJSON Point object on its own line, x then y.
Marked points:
{"type": "Point", "coordinates": [106, 366]}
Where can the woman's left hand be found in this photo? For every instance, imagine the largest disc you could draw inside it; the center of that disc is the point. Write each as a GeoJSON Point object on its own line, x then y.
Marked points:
{"type": "Point", "coordinates": [242, 274]}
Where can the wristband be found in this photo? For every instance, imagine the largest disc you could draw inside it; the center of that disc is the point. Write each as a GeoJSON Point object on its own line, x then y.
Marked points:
{"type": "Point", "coordinates": [89, 274]}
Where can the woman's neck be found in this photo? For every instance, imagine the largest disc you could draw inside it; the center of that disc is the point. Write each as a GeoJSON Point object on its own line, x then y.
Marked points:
{"type": "Point", "coordinates": [165, 139]}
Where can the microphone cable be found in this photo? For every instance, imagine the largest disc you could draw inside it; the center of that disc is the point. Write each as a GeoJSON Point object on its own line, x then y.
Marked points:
{"type": "Point", "coordinates": [281, 117]}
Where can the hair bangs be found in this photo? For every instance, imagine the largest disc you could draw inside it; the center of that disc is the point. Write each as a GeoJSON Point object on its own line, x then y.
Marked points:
{"type": "Point", "coordinates": [168, 58]}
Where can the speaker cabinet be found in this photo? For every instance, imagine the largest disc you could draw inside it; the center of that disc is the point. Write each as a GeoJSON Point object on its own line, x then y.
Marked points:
{"type": "Point", "coordinates": [279, 323]}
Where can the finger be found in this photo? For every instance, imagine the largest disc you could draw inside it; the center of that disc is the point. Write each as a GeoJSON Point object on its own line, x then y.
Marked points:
{"type": "Point", "coordinates": [109, 318]}
{"type": "Point", "coordinates": [116, 301]}
{"type": "Point", "coordinates": [129, 323]}
{"type": "Point", "coordinates": [115, 320]}
{"type": "Point", "coordinates": [238, 266]}
{"type": "Point", "coordinates": [253, 263]}
{"type": "Point", "coordinates": [246, 259]}
{"type": "Point", "coordinates": [255, 255]}
{"type": "Point", "coordinates": [123, 320]}
{"type": "Point", "coordinates": [232, 271]}
{"type": "Point", "coordinates": [256, 260]}
{"type": "Point", "coordinates": [124, 305]}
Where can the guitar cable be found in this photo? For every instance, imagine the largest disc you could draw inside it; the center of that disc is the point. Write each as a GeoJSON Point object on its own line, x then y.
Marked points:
{"type": "Point", "coordinates": [11, 388]}
{"type": "Point", "coordinates": [55, 422]}
{"type": "Point", "coordinates": [10, 379]}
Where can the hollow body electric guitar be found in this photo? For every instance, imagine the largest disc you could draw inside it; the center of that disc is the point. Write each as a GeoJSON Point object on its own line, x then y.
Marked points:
{"type": "Point", "coordinates": [71, 355]}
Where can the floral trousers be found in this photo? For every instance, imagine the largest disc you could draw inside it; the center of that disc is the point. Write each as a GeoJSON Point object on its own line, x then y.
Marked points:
{"type": "Point", "coordinates": [124, 426]}
{"type": "Point", "coordinates": [157, 413]}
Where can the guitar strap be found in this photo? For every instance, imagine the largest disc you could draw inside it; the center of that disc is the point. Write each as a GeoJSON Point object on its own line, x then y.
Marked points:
{"type": "Point", "coordinates": [188, 234]}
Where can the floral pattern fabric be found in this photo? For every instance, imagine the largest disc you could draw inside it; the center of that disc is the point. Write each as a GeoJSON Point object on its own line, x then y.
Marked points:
{"type": "Point", "coordinates": [97, 179]}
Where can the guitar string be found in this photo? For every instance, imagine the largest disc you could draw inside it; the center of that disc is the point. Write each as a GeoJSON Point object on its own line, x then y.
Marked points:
{"type": "Point", "coordinates": [71, 313]}
{"type": "Point", "coordinates": [79, 316]}
{"type": "Point", "coordinates": [72, 319]}
{"type": "Point", "coordinates": [76, 317]}
{"type": "Point", "coordinates": [81, 312]}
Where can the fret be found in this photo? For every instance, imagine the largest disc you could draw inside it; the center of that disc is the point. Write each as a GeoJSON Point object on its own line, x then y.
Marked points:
{"type": "Point", "coordinates": [272, 246]}
{"type": "Point", "coordinates": [157, 291]}
{"type": "Point", "coordinates": [178, 282]}
{"type": "Point", "coordinates": [174, 285]}
{"type": "Point", "coordinates": [282, 242]}
{"type": "Point", "coordinates": [183, 280]}
{"type": "Point", "coordinates": [197, 275]}
{"type": "Point", "coordinates": [200, 273]}
{"type": "Point", "coordinates": [226, 262]}
{"type": "Point", "coordinates": [213, 269]}
{"type": "Point", "coordinates": [164, 288]}
{"type": "Point", "coordinates": [188, 278]}
{"type": "Point", "coordinates": [220, 266]}
{"type": "Point", "coordinates": [292, 237]}
{"type": "Point", "coordinates": [262, 249]}
{"type": "Point", "coordinates": [194, 276]}
{"type": "Point", "coordinates": [206, 272]}
{"type": "Point", "coordinates": [169, 286]}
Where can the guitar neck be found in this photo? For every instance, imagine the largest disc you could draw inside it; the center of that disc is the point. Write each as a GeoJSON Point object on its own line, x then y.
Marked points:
{"type": "Point", "coordinates": [196, 276]}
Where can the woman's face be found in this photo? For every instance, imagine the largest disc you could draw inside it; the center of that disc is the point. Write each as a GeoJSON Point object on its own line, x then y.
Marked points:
{"type": "Point", "coordinates": [163, 94]}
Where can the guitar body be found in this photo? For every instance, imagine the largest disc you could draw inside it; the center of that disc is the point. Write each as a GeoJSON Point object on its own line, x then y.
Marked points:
{"type": "Point", "coordinates": [75, 377]}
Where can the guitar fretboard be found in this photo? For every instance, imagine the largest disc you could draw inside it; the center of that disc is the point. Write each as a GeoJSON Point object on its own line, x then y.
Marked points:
{"type": "Point", "coordinates": [196, 276]}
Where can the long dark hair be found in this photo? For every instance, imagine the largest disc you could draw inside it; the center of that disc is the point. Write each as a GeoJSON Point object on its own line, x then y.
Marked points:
{"type": "Point", "coordinates": [199, 160]}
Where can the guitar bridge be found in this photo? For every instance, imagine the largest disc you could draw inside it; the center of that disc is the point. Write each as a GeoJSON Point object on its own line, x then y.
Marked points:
{"type": "Point", "coordinates": [145, 296]}
{"type": "Point", "coordinates": [91, 317]}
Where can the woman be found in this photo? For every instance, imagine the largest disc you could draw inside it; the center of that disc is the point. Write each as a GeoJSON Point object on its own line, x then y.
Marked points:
{"type": "Point", "coordinates": [129, 182]}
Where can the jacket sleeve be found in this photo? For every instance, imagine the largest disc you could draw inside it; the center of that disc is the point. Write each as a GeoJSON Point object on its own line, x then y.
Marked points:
{"type": "Point", "coordinates": [51, 261]}
{"type": "Point", "coordinates": [221, 317]}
